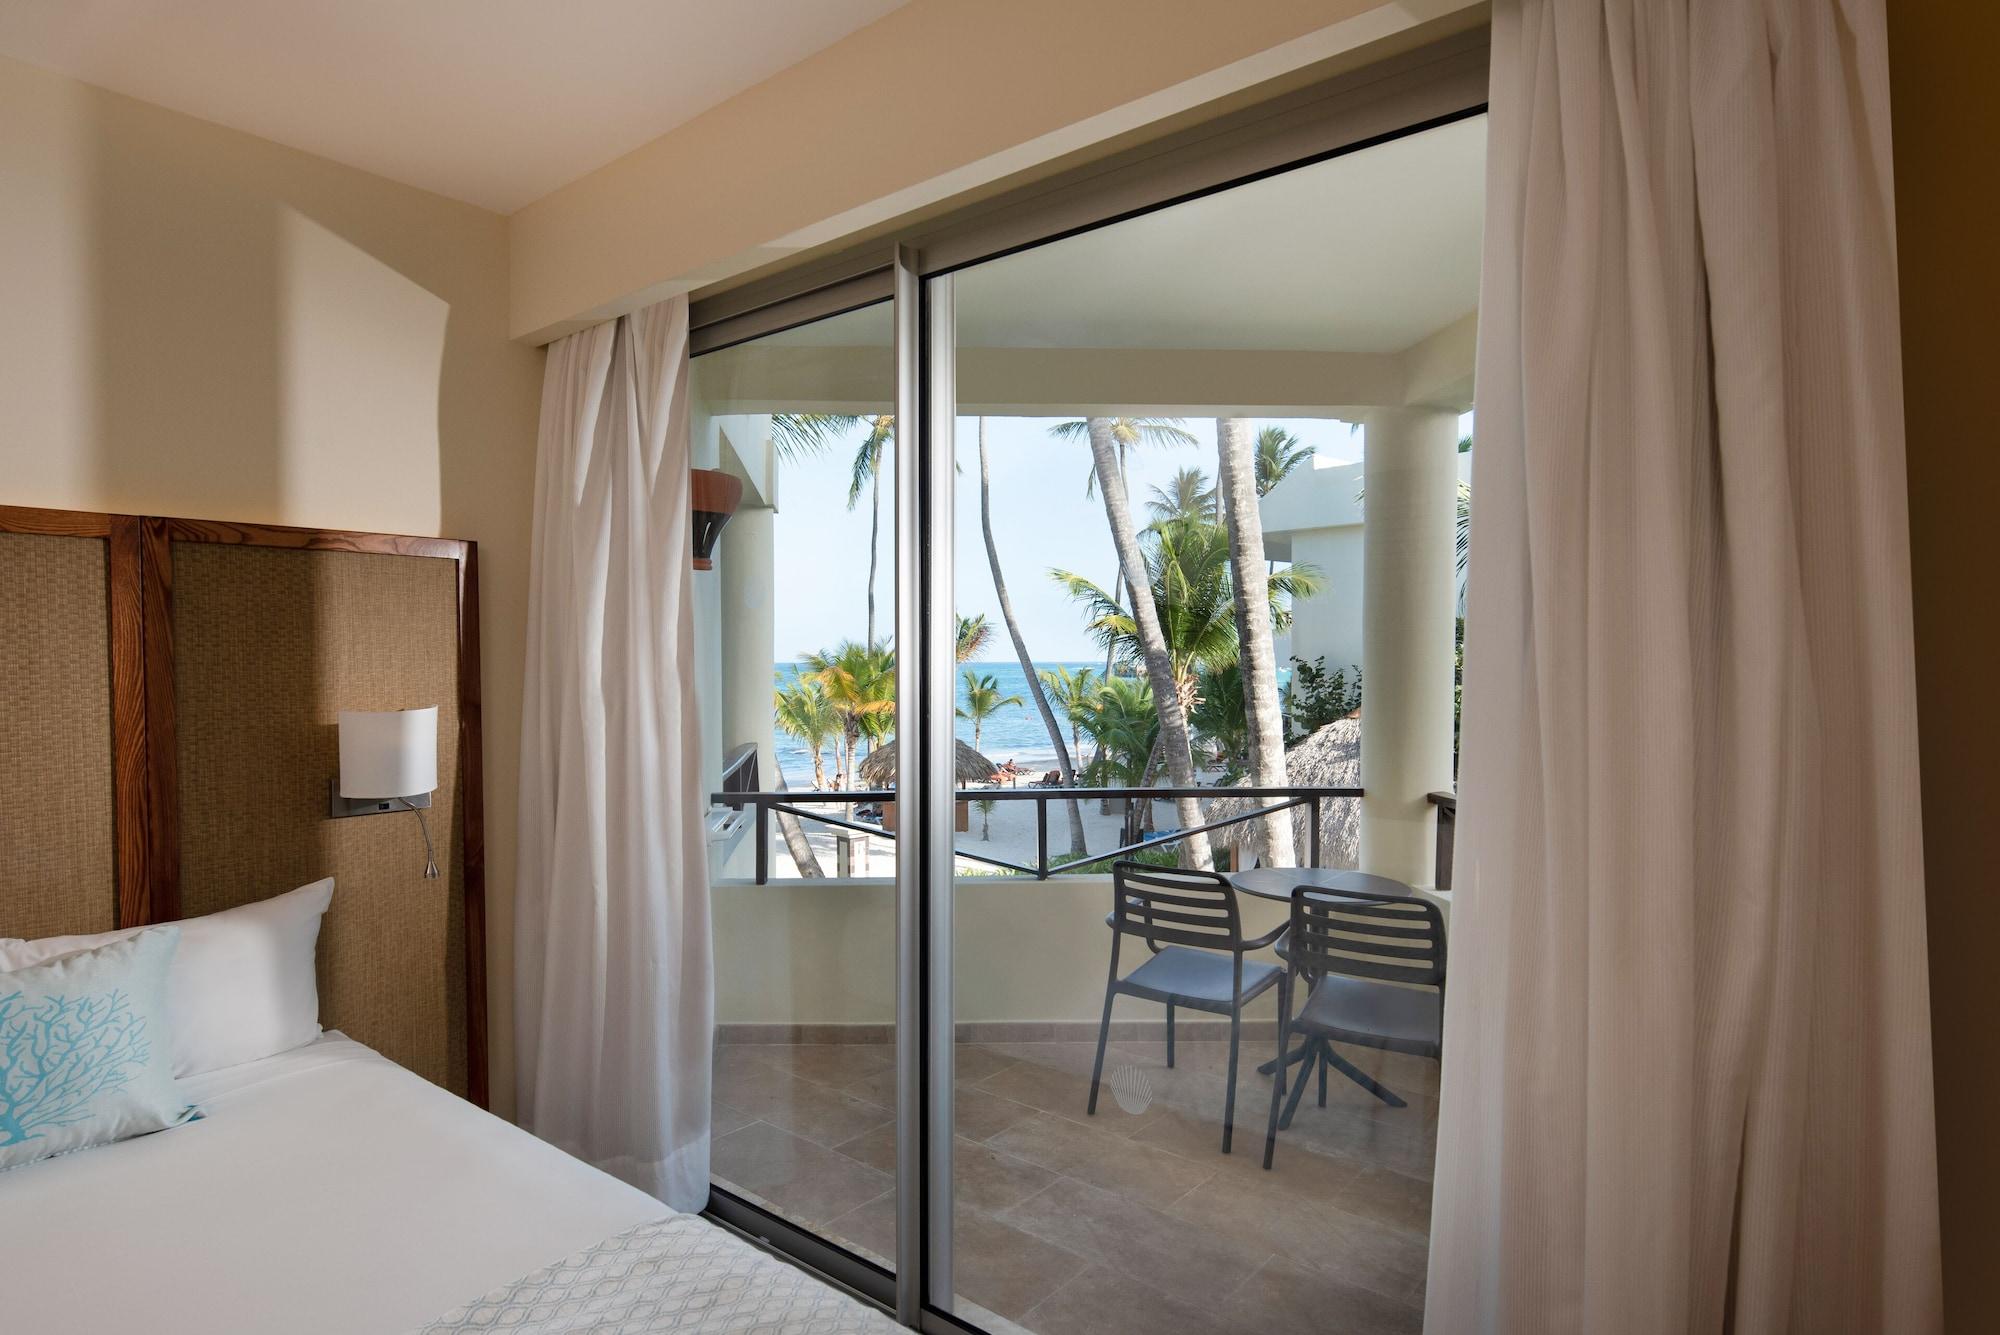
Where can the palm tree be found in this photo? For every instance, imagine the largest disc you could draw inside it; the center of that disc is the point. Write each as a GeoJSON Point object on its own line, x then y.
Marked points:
{"type": "Point", "coordinates": [1064, 764]}
{"type": "Point", "coordinates": [1188, 574]}
{"type": "Point", "coordinates": [1220, 719]}
{"type": "Point", "coordinates": [983, 700]}
{"type": "Point", "coordinates": [1188, 496]}
{"type": "Point", "coordinates": [804, 712]}
{"type": "Point", "coordinates": [1126, 432]}
{"type": "Point", "coordinates": [1074, 693]}
{"type": "Point", "coordinates": [859, 682]}
{"type": "Point", "coordinates": [1279, 452]}
{"type": "Point", "coordinates": [1167, 701]}
{"type": "Point", "coordinates": [799, 435]}
{"type": "Point", "coordinates": [1123, 723]}
{"type": "Point", "coordinates": [973, 634]}
{"type": "Point", "coordinates": [1236, 474]}
{"type": "Point", "coordinates": [867, 472]}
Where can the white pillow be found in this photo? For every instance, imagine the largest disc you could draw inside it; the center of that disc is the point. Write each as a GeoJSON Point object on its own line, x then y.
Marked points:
{"type": "Point", "coordinates": [242, 984]}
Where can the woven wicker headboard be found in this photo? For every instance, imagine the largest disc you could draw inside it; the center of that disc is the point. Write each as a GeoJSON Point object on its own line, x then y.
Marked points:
{"type": "Point", "coordinates": [170, 735]}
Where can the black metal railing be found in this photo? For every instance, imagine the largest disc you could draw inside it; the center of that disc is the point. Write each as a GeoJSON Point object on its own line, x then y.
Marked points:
{"type": "Point", "coordinates": [796, 804]}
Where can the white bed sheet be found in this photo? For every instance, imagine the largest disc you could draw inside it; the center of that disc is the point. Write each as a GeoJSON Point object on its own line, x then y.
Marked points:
{"type": "Point", "coordinates": [327, 1190]}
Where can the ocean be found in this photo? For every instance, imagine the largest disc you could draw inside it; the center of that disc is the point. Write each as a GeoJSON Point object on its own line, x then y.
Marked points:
{"type": "Point", "coordinates": [1014, 733]}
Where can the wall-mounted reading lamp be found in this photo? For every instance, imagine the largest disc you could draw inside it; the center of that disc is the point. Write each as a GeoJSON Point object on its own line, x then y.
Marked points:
{"type": "Point", "coordinates": [388, 762]}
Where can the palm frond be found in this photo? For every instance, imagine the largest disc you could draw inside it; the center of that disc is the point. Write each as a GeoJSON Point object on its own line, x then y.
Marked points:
{"type": "Point", "coordinates": [801, 435]}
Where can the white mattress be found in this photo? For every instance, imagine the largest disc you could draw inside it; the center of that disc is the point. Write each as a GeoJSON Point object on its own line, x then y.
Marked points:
{"type": "Point", "coordinates": [325, 1190]}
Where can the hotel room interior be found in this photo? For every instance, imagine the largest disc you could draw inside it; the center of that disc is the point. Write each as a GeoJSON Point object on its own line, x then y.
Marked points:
{"type": "Point", "coordinates": [527, 801]}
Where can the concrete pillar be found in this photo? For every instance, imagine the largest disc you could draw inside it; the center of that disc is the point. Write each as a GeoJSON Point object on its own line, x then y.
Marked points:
{"type": "Point", "coordinates": [744, 559]}
{"type": "Point", "coordinates": [1409, 606]}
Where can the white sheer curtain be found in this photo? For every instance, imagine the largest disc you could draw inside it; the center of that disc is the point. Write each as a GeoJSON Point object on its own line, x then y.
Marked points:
{"type": "Point", "coordinates": [1687, 1057]}
{"type": "Point", "coordinates": [614, 998]}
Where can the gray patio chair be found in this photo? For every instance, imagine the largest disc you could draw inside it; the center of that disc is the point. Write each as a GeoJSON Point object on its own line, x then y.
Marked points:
{"type": "Point", "coordinates": [1375, 967]}
{"type": "Point", "coordinates": [1188, 919]}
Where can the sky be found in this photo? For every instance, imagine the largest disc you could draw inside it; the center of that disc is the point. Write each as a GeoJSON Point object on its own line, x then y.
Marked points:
{"type": "Point", "coordinates": [1041, 520]}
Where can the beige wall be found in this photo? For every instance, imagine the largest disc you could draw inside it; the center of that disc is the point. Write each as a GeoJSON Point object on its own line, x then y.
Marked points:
{"type": "Point", "coordinates": [1028, 951]}
{"type": "Point", "coordinates": [936, 99]}
{"type": "Point", "coordinates": [1946, 112]}
{"type": "Point", "coordinates": [197, 322]}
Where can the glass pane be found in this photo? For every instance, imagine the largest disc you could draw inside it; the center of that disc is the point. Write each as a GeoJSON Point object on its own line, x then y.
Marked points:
{"type": "Point", "coordinates": [1209, 475]}
{"type": "Point", "coordinates": [796, 634]}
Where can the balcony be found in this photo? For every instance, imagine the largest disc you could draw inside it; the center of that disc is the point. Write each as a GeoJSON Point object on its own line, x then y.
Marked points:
{"type": "Point", "coordinates": [1129, 1218]}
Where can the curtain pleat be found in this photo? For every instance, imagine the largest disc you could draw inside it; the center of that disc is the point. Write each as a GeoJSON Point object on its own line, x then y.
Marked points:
{"type": "Point", "coordinates": [614, 993]}
{"type": "Point", "coordinates": [1687, 1074]}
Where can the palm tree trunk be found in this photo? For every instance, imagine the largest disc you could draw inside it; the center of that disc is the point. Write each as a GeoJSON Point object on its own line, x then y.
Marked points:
{"type": "Point", "coordinates": [1063, 763]}
{"type": "Point", "coordinates": [1236, 479]}
{"type": "Point", "coordinates": [1179, 752]}
{"type": "Point", "coordinates": [874, 543]}
{"type": "Point", "coordinates": [795, 836]}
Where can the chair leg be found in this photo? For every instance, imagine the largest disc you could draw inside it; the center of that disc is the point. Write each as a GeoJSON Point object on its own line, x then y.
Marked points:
{"type": "Point", "coordinates": [1292, 1104]}
{"type": "Point", "coordinates": [1322, 1077]}
{"type": "Point", "coordinates": [1278, 1081]}
{"type": "Point", "coordinates": [1229, 1109]}
{"type": "Point", "coordinates": [1103, 1032]}
{"type": "Point", "coordinates": [1360, 1077]}
{"type": "Point", "coordinates": [1170, 1035]}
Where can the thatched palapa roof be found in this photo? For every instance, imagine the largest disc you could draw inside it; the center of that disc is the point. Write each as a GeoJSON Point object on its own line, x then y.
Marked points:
{"type": "Point", "coordinates": [878, 767]}
{"type": "Point", "coordinates": [1329, 758]}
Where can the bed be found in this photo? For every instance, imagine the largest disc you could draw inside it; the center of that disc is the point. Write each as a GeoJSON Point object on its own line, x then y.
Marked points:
{"type": "Point", "coordinates": [328, 1191]}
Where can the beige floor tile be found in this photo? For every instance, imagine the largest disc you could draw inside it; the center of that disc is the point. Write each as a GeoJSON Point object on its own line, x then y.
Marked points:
{"type": "Point", "coordinates": [722, 1119]}
{"type": "Point", "coordinates": [1136, 1172]}
{"type": "Point", "coordinates": [979, 1115]}
{"type": "Point", "coordinates": [1386, 1197]}
{"type": "Point", "coordinates": [1311, 1230]}
{"type": "Point", "coordinates": [1286, 1297]}
{"type": "Point", "coordinates": [1075, 1058]}
{"type": "Point", "coordinates": [823, 1115]}
{"type": "Point", "coordinates": [973, 1062]}
{"type": "Point", "coordinates": [995, 1264]}
{"type": "Point", "coordinates": [982, 1177]}
{"type": "Point", "coordinates": [1399, 1139]}
{"type": "Point", "coordinates": [802, 1181]}
{"type": "Point", "coordinates": [1101, 1302]}
{"type": "Point", "coordinates": [1063, 1093]}
{"type": "Point", "coordinates": [1184, 1260]}
{"type": "Point", "coordinates": [834, 1064]}
{"type": "Point", "coordinates": [878, 1088]}
{"type": "Point", "coordinates": [1296, 1171]}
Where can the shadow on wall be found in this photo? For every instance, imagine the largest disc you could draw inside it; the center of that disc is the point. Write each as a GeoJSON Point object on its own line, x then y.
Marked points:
{"type": "Point", "coordinates": [270, 337]}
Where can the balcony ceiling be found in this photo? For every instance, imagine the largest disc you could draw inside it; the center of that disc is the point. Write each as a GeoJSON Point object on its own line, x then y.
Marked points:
{"type": "Point", "coordinates": [495, 102]}
{"type": "Point", "coordinates": [1368, 253]}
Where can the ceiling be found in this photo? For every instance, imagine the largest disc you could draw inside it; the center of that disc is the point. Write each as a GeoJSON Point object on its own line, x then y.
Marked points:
{"type": "Point", "coordinates": [1366, 253]}
{"type": "Point", "coordinates": [495, 102]}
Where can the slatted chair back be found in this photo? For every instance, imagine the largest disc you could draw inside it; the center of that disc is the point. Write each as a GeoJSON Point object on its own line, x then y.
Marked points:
{"type": "Point", "coordinates": [1175, 906]}
{"type": "Point", "coordinates": [1395, 938]}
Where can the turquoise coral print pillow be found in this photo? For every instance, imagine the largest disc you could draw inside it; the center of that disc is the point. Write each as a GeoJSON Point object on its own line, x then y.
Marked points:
{"type": "Point", "coordinates": [85, 1056]}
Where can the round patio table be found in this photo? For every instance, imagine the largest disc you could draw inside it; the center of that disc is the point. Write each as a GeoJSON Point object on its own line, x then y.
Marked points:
{"type": "Point", "coordinates": [1277, 882]}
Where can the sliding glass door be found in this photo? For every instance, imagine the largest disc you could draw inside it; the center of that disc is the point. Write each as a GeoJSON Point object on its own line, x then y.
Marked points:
{"type": "Point", "coordinates": [798, 656]}
{"type": "Point", "coordinates": [1034, 661]}
{"type": "Point", "coordinates": [1208, 470]}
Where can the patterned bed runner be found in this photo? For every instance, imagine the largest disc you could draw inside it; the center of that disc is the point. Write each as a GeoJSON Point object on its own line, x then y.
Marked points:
{"type": "Point", "coordinates": [679, 1274]}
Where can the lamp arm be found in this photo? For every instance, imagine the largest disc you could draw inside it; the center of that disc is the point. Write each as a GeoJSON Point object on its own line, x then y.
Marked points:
{"type": "Point", "coordinates": [430, 853]}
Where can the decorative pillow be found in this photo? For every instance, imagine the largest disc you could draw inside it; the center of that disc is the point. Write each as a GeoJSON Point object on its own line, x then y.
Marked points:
{"type": "Point", "coordinates": [242, 984]}
{"type": "Point", "coordinates": [85, 1049]}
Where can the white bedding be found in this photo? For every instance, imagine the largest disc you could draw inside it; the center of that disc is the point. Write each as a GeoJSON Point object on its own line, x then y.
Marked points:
{"type": "Point", "coordinates": [326, 1190]}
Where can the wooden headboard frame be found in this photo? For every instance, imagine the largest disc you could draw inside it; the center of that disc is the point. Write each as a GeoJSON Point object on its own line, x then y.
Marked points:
{"type": "Point", "coordinates": [145, 794]}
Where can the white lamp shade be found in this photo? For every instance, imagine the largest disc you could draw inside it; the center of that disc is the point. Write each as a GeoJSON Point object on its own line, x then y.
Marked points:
{"type": "Point", "coordinates": [388, 754]}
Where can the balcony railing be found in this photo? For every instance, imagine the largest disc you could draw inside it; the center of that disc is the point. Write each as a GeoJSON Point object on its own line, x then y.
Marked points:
{"type": "Point", "coordinates": [798, 804]}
